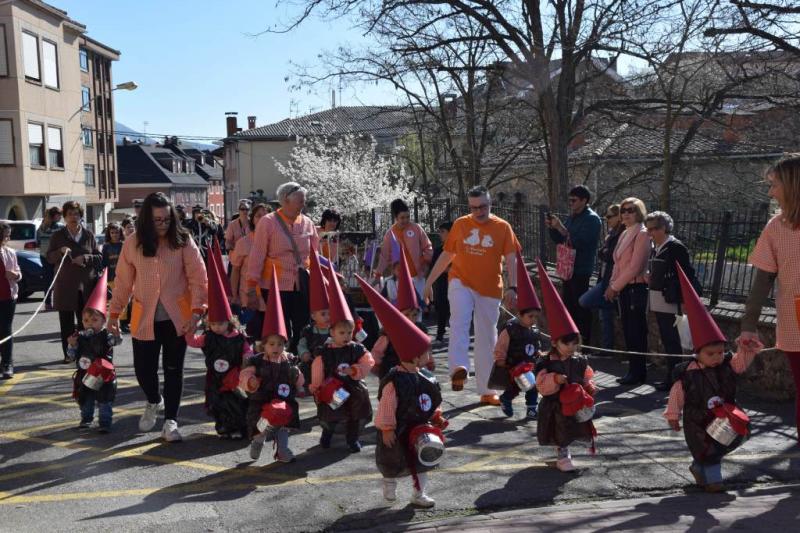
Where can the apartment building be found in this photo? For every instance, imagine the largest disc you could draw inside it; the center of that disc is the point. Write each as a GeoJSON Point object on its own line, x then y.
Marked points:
{"type": "Point", "coordinates": [55, 105]}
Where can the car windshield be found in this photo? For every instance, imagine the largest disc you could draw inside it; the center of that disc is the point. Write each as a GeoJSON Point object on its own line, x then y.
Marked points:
{"type": "Point", "coordinates": [23, 232]}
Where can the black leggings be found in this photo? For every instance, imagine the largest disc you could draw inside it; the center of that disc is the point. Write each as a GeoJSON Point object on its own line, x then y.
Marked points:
{"type": "Point", "coordinates": [145, 363]}
{"type": "Point", "coordinates": [7, 308]}
{"type": "Point", "coordinates": [633, 313]}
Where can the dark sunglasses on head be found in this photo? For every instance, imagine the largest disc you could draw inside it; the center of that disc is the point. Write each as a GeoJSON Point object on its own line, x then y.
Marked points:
{"type": "Point", "coordinates": [610, 215]}
{"type": "Point", "coordinates": [628, 210]}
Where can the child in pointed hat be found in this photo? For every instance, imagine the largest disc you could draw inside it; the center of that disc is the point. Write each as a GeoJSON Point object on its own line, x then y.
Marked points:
{"type": "Point", "coordinates": [407, 302]}
{"type": "Point", "coordinates": [564, 378]}
{"type": "Point", "coordinates": [341, 367]}
{"type": "Point", "coordinates": [317, 331]}
{"type": "Point", "coordinates": [518, 347]}
{"type": "Point", "coordinates": [226, 351]}
{"type": "Point", "coordinates": [408, 403]}
{"type": "Point", "coordinates": [92, 349]}
{"type": "Point", "coordinates": [704, 392]}
{"type": "Point", "coordinates": [272, 382]}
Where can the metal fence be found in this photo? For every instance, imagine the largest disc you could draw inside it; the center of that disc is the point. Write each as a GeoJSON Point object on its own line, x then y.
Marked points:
{"type": "Point", "coordinates": [719, 242]}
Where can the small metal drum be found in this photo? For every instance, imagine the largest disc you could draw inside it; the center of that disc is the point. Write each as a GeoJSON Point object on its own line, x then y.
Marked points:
{"type": "Point", "coordinates": [339, 397]}
{"type": "Point", "coordinates": [584, 414]}
{"type": "Point", "coordinates": [721, 430]}
{"type": "Point", "coordinates": [93, 382]}
{"type": "Point", "coordinates": [429, 448]}
{"type": "Point", "coordinates": [525, 381]}
{"type": "Point", "coordinates": [263, 424]}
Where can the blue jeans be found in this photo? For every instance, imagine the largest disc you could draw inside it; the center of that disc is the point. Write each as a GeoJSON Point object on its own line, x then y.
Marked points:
{"type": "Point", "coordinates": [87, 411]}
{"type": "Point", "coordinates": [531, 397]}
{"type": "Point", "coordinates": [709, 473]}
{"type": "Point", "coordinates": [594, 298]}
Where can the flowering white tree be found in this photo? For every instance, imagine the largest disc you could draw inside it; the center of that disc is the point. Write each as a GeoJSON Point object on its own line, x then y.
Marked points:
{"type": "Point", "coordinates": [347, 174]}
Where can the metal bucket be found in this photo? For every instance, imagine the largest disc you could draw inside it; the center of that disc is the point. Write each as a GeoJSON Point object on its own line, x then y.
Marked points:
{"type": "Point", "coordinates": [339, 397]}
{"type": "Point", "coordinates": [263, 424]}
{"type": "Point", "coordinates": [585, 414]}
{"type": "Point", "coordinates": [721, 430]}
{"type": "Point", "coordinates": [429, 448]}
{"type": "Point", "coordinates": [525, 381]}
{"type": "Point", "coordinates": [93, 382]}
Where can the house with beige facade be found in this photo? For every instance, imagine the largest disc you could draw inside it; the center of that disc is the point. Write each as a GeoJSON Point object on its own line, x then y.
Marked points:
{"type": "Point", "coordinates": [56, 114]}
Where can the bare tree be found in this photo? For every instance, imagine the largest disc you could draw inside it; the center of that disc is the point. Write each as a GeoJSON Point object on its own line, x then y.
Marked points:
{"type": "Point", "coordinates": [774, 23]}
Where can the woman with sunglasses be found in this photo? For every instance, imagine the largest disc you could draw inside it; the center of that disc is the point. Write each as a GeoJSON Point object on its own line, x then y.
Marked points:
{"type": "Point", "coordinates": [629, 287]}
{"type": "Point", "coordinates": [160, 265]}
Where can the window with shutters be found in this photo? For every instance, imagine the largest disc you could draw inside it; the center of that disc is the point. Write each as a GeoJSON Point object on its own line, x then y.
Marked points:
{"type": "Point", "coordinates": [55, 150]}
{"type": "Point", "coordinates": [36, 144]}
{"type": "Point", "coordinates": [50, 63]}
{"type": "Point", "coordinates": [30, 56]}
{"type": "Point", "coordinates": [88, 175]}
{"type": "Point", "coordinates": [6, 142]}
{"type": "Point", "coordinates": [83, 59]}
{"type": "Point", "coordinates": [3, 52]}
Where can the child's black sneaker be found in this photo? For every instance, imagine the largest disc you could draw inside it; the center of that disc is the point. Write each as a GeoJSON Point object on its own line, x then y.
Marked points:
{"type": "Point", "coordinates": [104, 429]}
{"type": "Point", "coordinates": [85, 425]}
{"type": "Point", "coordinates": [355, 446]}
{"type": "Point", "coordinates": [505, 405]}
{"type": "Point", "coordinates": [325, 439]}
{"type": "Point", "coordinates": [533, 412]}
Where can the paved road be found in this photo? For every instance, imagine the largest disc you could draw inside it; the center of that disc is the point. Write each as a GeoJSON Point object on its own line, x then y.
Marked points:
{"type": "Point", "coordinates": [53, 475]}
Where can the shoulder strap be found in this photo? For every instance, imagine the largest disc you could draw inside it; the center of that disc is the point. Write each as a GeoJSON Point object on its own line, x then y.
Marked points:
{"type": "Point", "coordinates": [285, 229]}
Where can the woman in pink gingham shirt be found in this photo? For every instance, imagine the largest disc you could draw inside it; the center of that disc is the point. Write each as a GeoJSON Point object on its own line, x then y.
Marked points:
{"type": "Point", "coordinates": [776, 257]}
{"type": "Point", "coordinates": [272, 246]}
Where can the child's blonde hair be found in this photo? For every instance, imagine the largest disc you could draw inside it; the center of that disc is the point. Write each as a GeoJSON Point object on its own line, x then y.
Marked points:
{"type": "Point", "coordinates": [787, 171]}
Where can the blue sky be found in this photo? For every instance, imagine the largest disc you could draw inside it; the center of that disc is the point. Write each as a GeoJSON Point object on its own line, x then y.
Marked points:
{"type": "Point", "coordinates": [196, 59]}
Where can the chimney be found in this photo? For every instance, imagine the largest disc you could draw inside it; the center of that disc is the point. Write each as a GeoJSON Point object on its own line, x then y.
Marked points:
{"type": "Point", "coordinates": [333, 98]}
{"type": "Point", "coordinates": [251, 122]}
{"type": "Point", "coordinates": [230, 123]}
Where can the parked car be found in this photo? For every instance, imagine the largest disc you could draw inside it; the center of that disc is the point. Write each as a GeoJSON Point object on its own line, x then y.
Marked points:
{"type": "Point", "coordinates": [23, 234]}
{"type": "Point", "coordinates": [33, 280]}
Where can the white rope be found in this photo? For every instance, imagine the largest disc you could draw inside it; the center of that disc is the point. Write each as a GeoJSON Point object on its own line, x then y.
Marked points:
{"type": "Point", "coordinates": [39, 308]}
{"type": "Point", "coordinates": [623, 352]}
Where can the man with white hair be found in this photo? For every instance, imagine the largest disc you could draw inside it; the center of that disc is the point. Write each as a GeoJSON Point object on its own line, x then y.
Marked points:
{"type": "Point", "coordinates": [283, 239]}
{"type": "Point", "coordinates": [475, 249]}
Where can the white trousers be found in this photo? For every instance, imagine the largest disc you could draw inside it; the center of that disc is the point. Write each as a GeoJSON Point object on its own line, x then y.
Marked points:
{"type": "Point", "coordinates": [467, 305]}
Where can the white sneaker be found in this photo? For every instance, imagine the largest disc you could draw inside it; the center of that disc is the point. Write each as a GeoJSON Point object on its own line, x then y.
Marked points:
{"type": "Point", "coordinates": [170, 431]}
{"type": "Point", "coordinates": [390, 490]}
{"type": "Point", "coordinates": [420, 499]}
{"type": "Point", "coordinates": [565, 464]}
{"type": "Point", "coordinates": [148, 420]}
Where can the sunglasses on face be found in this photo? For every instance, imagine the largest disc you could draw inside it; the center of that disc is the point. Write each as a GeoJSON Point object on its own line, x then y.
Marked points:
{"type": "Point", "coordinates": [627, 210]}
{"type": "Point", "coordinates": [478, 207]}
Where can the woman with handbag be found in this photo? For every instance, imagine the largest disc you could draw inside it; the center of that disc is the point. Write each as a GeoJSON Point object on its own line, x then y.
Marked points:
{"type": "Point", "coordinates": [629, 288]}
{"type": "Point", "coordinates": [664, 289]}
{"type": "Point", "coordinates": [283, 238]}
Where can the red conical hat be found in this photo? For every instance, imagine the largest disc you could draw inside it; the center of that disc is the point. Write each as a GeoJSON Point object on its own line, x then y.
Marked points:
{"type": "Point", "coordinates": [701, 324]}
{"type": "Point", "coordinates": [339, 311]}
{"type": "Point", "coordinates": [217, 254]}
{"type": "Point", "coordinates": [219, 309]}
{"type": "Point", "coordinates": [526, 295]}
{"type": "Point", "coordinates": [318, 295]}
{"type": "Point", "coordinates": [558, 318]}
{"type": "Point", "coordinates": [407, 339]}
{"type": "Point", "coordinates": [99, 296]}
{"type": "Point", "coordinates": [406, 293]}
{"type": "Point", "coordinates": [274, 323]}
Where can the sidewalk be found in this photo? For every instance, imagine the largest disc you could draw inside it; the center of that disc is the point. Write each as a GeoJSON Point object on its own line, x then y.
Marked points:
{"type": "Point", "coordinates": [772, 508]}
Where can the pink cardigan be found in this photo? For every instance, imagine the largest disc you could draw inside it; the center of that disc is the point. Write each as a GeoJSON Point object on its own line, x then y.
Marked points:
{"type": "Point", "coordinates": [630, 257]}
{"type": "Point", "coordinates": [416, 241]}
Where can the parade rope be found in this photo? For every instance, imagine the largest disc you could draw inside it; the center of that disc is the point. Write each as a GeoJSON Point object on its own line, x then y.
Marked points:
{"type": "Point", "coordinates": [623, 352]}
{"type": "Point", "coordinates": [39, 308]}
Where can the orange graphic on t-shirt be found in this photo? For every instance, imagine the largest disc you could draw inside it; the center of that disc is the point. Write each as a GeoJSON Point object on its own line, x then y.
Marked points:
{"type": "Point", "coordinates": [479, 249]}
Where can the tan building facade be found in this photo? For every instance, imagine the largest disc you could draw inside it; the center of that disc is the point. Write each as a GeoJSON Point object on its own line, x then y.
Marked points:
{"type": "Point", "coordinates": [43, 112]}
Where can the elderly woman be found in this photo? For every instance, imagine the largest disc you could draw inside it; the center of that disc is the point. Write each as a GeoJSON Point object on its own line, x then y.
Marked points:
{"type": "Point", "coordinates": [329, 224]}
{"type": "Point", "coordinates": [629, 286]}
{"type": "Point", "coordinates": [79, 272]}
{"type": "Point", "coordinates": [284, 239]}
{"type": "Point", "coordinates": [160, 265]}
{"type": "Point", "coordinates": [413, 238]}
{"type": "Point", "coordinates": [664, 286]}
{"type": "Point", "coordinates": [238, 227]}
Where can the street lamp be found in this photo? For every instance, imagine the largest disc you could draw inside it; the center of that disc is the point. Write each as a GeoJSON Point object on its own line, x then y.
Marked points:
{"type": "Point", "coordinates": [127, 86]}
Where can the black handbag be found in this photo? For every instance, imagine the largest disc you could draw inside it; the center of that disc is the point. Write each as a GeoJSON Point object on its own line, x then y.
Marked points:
{"type": "Point", "coordinates": [303, 277]}
{"type": "Point", "coordinates": [672, 285]}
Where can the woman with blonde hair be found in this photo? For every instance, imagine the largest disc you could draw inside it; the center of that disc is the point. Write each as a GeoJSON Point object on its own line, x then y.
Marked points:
{"type": "Point", "coordinates": [629, 287]}
{"type": "Point", "coordinates": [776, 258]}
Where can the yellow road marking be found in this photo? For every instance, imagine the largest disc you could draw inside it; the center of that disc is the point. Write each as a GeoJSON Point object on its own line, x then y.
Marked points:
{"type": "Point", "coordinates": [7, 385]}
